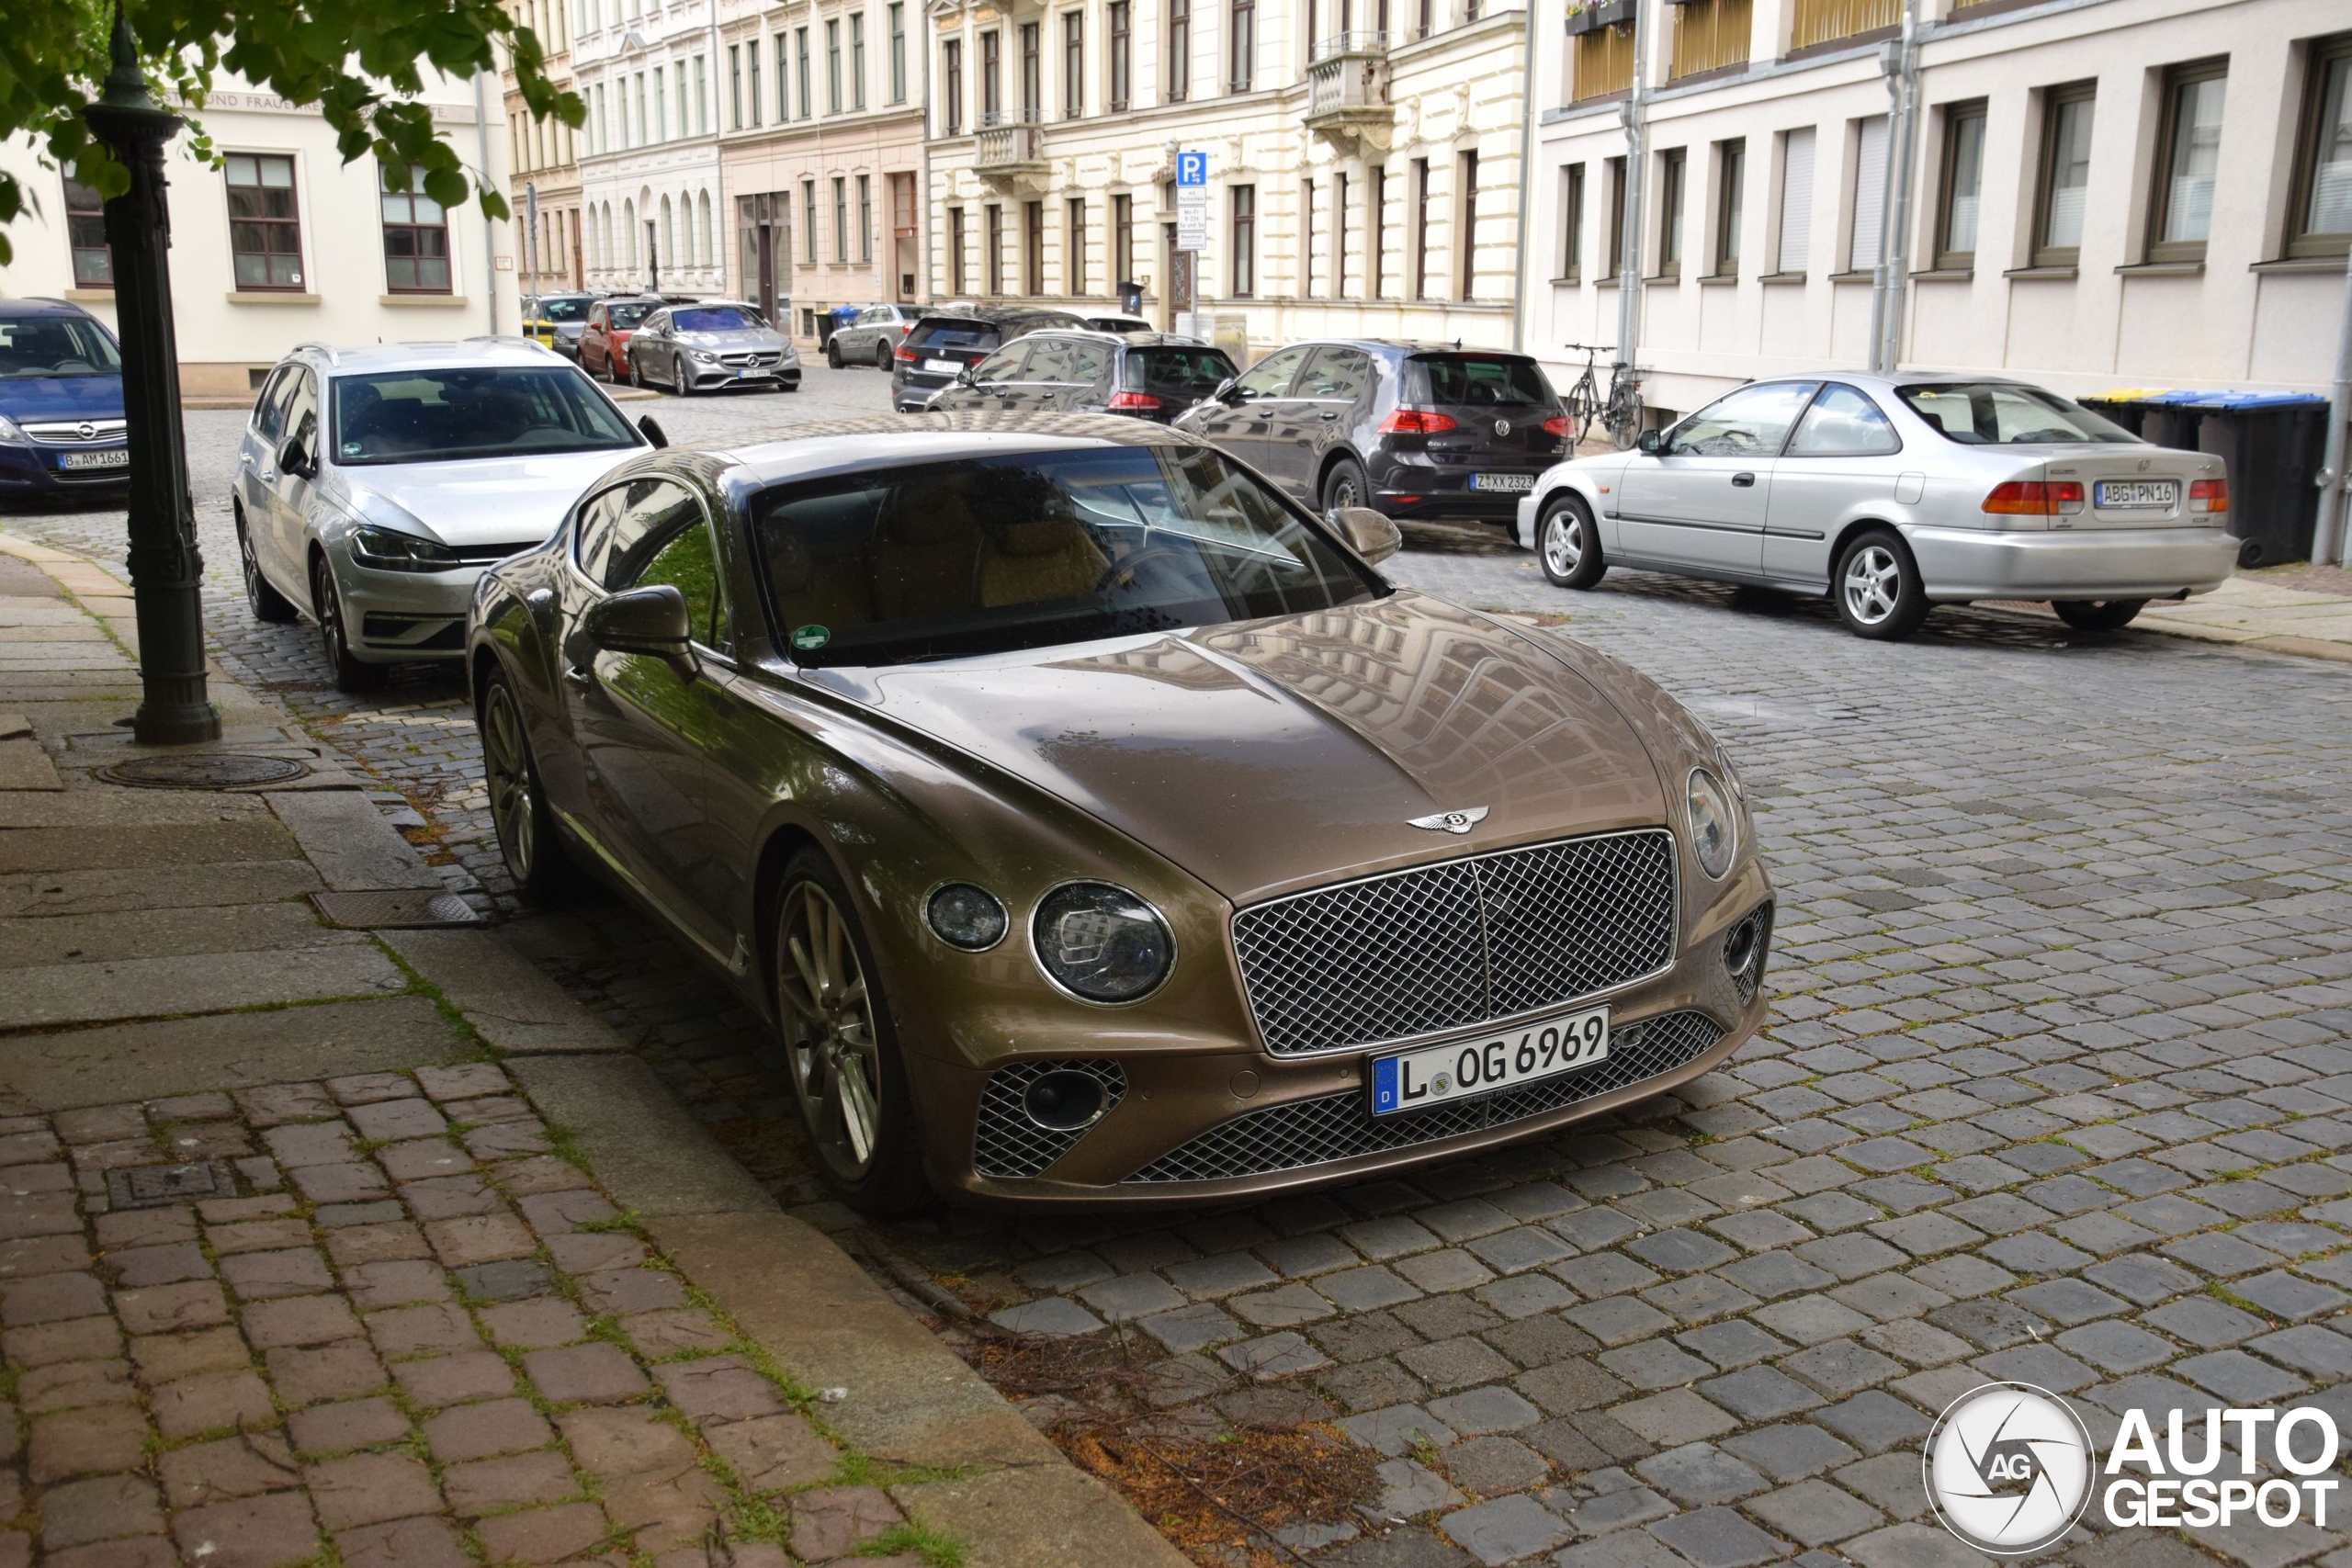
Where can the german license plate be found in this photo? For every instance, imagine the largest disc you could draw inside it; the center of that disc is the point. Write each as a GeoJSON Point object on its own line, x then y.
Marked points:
{"type": "Point", "coordinates": [944, 366]}
{"type": "Point", "coordinates": [1502, 482]}
{"type": "Point", "coordinates": [2135, 495]}
{"type": "Point", "coordinates": [1436, 1075]}
{"type": "Point", "coordinates": [118, 458]}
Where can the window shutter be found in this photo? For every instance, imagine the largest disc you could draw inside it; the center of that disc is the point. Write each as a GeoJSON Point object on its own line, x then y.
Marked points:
{"type": "Point", "coordinates": [1869, 194]}
{"type": "Point", "coordinates": [1797, 200]}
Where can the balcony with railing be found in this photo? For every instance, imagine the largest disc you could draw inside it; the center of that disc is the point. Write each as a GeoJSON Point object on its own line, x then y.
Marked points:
{"type": "Point", "coordinates": [1602, 64]}
{"type": "Point", "coordinates": [1010, 151]}
{"type": "Point", "coordinates": [1820, 22]}
{"type": "Point", "coordinates": [1347, 89]}
{"type": "Point", "coordinates": [1711, 35]}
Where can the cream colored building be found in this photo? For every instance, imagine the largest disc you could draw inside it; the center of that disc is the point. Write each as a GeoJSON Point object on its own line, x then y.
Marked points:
{"type": "Point", "coordinates": [1363, 160]}
{"type": "Point", "coordinates": [653, 210]}
{"type": "Point", "coordinates": [545, 157]}
{"type": "Point", "coordinates": [283, 243]}
{"type": "Point", "coordinates": [2103, 194]}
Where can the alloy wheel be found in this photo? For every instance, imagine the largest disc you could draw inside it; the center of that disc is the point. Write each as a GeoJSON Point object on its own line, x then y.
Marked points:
{"type": "Point", "coordinates": [829, 1033]}
{"type": "Point", "coordinates": [1563, 543]}
{"type": "Point", "coordinates": [1872, 583]}
{"type": "Point", "coordinates": [507, 767]}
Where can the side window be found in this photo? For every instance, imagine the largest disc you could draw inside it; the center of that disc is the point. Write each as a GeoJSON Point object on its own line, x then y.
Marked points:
{"type": "Point", "coordinates": [657, 324]}
{"type": "Point", "coordinates": [269, 408]}
{"type": "Point", "coordinates": [302, 421]}
{"type": "Point", "coordinates": [1270, 378]}
{"type": "Point", "coordinates": [597, 317]}
{"type": "Point", "coordinates": [591, 536]}
{"type": "Point", "coordinates": [1002, 365]}
{"type": "Point", "coordinates": [1843, 424]}
{"type": "Point", "coordinates": [651, 512]}
{"type": "Point", "coordinates": [1050, 361]}
{"type": "Point", "coordinates": [1339, 374]}
{"type": "Point", "coordinates": [1087, 363]}
{"type": "Point", "coordinates": [688, 562]}
{"type": "Point", "coordinates": [1750, 423]}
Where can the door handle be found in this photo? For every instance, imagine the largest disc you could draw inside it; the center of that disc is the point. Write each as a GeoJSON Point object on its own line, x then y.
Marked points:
{"type": "Point", "coordinates": [580, 676]}
{"type": "Point", "coordinates": [1743, 481]}
{"type": "Point", "coordinates": [1331, 413]}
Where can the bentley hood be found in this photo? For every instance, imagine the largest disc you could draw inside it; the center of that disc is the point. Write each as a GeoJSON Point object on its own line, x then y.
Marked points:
{"type": "Point", "coordinates": [482, 501]}
{"type": "Point", "coordinates": [1279, 754]}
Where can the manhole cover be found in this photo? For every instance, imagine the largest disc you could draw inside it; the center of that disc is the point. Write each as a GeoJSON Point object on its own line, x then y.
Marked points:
{"type": "Point", "coordinates": [394, 910]}
{"type": "Point", "coordinates": [209, 770]}
{"type": "Point", "coordinates": [152, 1186]}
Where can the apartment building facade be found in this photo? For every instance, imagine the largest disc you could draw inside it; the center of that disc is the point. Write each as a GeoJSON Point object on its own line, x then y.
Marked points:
{"type": "Point", "coordinates": [652, 191]}
{"type": "Point", "coordinates": [545, 157]}
{"type": "Point", "coordinates": [284, 242]}
{"type": "Point", "coordinates": [1364, 159]}
{"type": "Point", "coordinates": [2101, 193]}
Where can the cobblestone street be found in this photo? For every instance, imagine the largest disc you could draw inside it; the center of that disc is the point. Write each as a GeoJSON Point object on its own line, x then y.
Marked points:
{"type": "Point", "coordinates": [2057, 1088]}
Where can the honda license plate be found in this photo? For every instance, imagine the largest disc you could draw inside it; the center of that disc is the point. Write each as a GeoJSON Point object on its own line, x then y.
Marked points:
{"type": "Point", "coordinates": [1415, 1080]}
{"type": "Point", "coordinates": [1502, 482]}
{"type": "Point", "coordinates": [118, 458]}
{"type": "Point", "coordinates": [2135, 495]}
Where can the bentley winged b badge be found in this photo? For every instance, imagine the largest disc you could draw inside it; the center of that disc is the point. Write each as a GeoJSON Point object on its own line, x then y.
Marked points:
{"type": "Point", "coordinates": [1449, 821]}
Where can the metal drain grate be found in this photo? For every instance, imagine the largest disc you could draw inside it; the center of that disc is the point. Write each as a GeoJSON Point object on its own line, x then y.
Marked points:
{"type": "Point", "coordinates": [152, 1186]}
{"type": "Point", "coordinates": [394, 909]}
{"type": "Point", "coordinates": [209, 770]}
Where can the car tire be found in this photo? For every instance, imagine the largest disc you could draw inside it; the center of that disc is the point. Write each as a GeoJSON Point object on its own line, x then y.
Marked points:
{"type": "Point", "coordinates": [529, 842]}
{"type": "Point", "coordinates": [637, 374]}
{"type": "Point", "coordinates": [1346, 485]}
{"type": "Point", "coordinates": [266, 602]}
{"type": "Point", "coordinates": [883, 359]}
{"type": "Point", "coordinates": [841, 1056]}
{"type": "Point", "coordinates": [1568, 545]}
{"type": "Point", "coordinates": [832, 354]}
{"type": "Point", "coordinates": [1876, 588]}
{"type": "Point", "coordinates": [2098, 615]}
{"type": "Point", "coordinates": [350, 672]}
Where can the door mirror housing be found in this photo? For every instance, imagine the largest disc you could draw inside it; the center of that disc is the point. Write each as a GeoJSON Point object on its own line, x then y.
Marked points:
{"type": "Point", "coordinates": [651, 621]}
{"type": "Point", "coordinates": [1652, 442]}
{"type": "Point", "coordinates": [1229, 392]}
{"type": "Point", "coordinates": [295, 458]}
{"type": "Point", "coordinates": [964, 376]}
{"type": "Point", "coordinates": [1374, 536]}
{"type": "Point", "coordinates": [653, 431]}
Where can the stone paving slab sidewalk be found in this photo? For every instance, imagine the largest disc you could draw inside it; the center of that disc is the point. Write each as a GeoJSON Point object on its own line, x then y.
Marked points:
{"type": "Point", "coordinates": [294, 1270]}
{"type": "Point", "coordinates": [2300, 610]}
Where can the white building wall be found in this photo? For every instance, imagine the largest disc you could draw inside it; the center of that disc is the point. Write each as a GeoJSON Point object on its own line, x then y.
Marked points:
{"type": "Point", "coordinates": [650, 146]}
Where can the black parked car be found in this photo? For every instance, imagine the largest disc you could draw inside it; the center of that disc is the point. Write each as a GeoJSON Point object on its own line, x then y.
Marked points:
{"type": "Point", "coordinates": [1412, 430]}
{"type": "Point", "coordinates": [942, 347]}
{"type": "Point", "coordinates": [1144, 375]}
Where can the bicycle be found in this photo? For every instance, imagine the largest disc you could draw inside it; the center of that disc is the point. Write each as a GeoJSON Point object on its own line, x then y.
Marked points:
{"type": "Point", "coordinates": [1584, 402]}
{"type": "Point", "coordinates": [1619, 411]}
{"type": "Point", "coordinates": [1623, 418]}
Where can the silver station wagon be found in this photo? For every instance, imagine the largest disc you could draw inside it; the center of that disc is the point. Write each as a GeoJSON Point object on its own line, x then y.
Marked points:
{"type": "Point", "coordinates": [1892, 494]}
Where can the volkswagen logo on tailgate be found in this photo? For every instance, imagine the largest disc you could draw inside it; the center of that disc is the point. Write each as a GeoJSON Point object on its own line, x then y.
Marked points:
{"type": "Point", "coordinates": [1502, 427]}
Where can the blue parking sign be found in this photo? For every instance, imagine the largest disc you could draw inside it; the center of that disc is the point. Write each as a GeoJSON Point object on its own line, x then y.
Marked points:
{"type": "Point", "coordinates": [1191, 169]}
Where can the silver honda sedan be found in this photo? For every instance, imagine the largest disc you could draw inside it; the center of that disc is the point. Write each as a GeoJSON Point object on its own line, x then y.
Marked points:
{"type": "Point", "coordinates": [1891, 494]}
{"type": "Point", "coordinates": [709, 346]}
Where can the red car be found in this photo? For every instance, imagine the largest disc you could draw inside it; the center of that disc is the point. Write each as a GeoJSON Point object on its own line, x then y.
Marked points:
{"type": "Point", "coordinates": [603, 342]}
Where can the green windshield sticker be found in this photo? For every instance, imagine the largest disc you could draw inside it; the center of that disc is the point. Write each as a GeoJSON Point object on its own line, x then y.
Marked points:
{"type": "Point", "coordinates": [811, 637]}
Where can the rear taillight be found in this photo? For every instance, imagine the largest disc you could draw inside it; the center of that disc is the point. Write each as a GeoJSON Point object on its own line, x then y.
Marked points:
{"type": "Point", "coordinates": [2209, 496]}
{"type": "Point", "coordinates": [905, 355]}
{"type": "Point", "coordinates": [1557, 425]}
{"type": "Point", "coordinates": [1417, 422]}
{"type": "Point", "coordinates": [1133, 402]}
{"type": "Point", "coordinates": [2035, 498]}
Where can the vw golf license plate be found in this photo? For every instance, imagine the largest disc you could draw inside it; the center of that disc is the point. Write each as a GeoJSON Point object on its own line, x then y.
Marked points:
{"type": "Point", "coordinates": [943, 366]}
{"type": "Point", "coordinates": [1415, 1080]}
{"type": "Point", "coordinates": [2135, 495]}
{"type": "Point", "coordinates": [1502, 482]}
{"type": "Point", "coordinates": [118, 458]}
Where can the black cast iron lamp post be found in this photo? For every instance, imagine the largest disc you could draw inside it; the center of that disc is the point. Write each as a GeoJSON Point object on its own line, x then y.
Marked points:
{"type": "Point", "coordinates": [166, 572]}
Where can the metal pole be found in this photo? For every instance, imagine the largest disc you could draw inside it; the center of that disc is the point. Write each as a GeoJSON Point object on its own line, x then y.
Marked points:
{"type": "Point", "coordinates": [1526, 187]}
{"type": "Point", "coordinates": [531, 231]}
{"type": "Point", "coordinates": [166, 571]}
{"type": "Point", "coordinates": [489, 230]}
{"type": "Point", "coordinates": [1889, 275]}
{"type": "Point", "coordinates": [2332, 542]}
{"type": "Point", "coordinates": [1629, 265]}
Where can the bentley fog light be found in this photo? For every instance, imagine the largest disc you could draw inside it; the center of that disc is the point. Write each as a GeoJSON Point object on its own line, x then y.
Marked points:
{"type": "Point", "coordinates": [964, 915]}
{"type": "Point", "coordinates": [1101, 942]}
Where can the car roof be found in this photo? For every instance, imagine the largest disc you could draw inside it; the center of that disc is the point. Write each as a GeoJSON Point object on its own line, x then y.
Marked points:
{"type": "Point", "coordinates": [376, 357]}
{"type": "Point", "coordinates": [991, 316]}
{"type": "Point", "coordinates": [42, 305]}
{"type": "Point", "coordinates": [887, 441]}
{"type": "Point", "coordinates": [1151, 339]}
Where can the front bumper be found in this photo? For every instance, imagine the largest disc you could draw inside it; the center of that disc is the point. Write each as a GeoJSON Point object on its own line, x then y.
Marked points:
{"type": "Point", "coordinates": [1191, 1126]}
{"type": "Point", "coordinates": [39, 468]}
{"type": "Point", "coordinates": [403, 617]}
{"type": "Point", "coordinates": [722, 378]}
{"type": "Point", "coordinates": [1960, 564]}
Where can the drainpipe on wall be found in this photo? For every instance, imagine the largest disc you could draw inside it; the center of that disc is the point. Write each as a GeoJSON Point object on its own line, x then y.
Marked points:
{"type": "Point", "coordinates": [1629, 265]}
{"type": "Point", "coordinates": [925, 287]}
{"type": "Point", "coordinates": [723, 215]}
{"type": "Point", "coordinates": [1526, 186]}
{"type": "Point", "coordinates": [489, 229]}
{"type": "Point", "coordinates": [2332, 544]}
{"type": "Point", "coordinates": [1900, 60]}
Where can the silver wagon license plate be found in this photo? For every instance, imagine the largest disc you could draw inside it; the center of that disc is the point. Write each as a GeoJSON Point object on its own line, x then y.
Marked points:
{"type": "Point", "coordinates": [1435, 1074]}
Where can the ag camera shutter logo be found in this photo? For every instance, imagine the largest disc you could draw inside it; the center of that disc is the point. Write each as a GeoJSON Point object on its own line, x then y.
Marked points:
{"type": "Point", "coordinates": [2008, 1468]}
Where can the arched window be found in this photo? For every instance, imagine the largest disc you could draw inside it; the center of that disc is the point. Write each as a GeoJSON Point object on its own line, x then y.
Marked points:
{"type": "Point", "coordinates": [628, 227]}
{"type": "Point", "coordinates": [668, 235]}
{"type": "Point", "coordinates": [710, 256]}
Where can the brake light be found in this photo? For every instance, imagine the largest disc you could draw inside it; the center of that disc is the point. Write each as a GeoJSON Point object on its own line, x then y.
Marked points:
{"type": "Point", "coordinates": [1417, 422]}
{"type": "Point", "coordinates": [1133, 402]}
{"type": "Point", "coordinates": [2035, 498]}
{"type": "Point", "coordinates": [905, 355]}
{"type": "Point", "coordinates": [2209, 495]}
{"type": "Point", "coordinates": [1557, 425]}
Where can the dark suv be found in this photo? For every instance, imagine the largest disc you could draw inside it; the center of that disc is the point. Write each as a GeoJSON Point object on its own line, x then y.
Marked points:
{"type": "Point", "coordinates": [1414, 430]}
{"type": "Point", "coordinates": [940, 347]}
{"type": "Point", "coordinates": [1144, 375]}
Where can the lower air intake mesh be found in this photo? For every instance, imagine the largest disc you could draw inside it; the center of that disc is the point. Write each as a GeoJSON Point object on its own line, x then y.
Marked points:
{"type": "Point", "coordinates": [1005, 1142]}
{"type": "Point", "coordinates": [1336, 1126]}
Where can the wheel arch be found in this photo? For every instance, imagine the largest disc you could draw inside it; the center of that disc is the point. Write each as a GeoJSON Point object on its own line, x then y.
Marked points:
{"type": "Point", "coordinates": [1849, 532]}
{"type": "Point", "coordinates": [1343, 452]}
{"type": "Point", "coordinates": [784, 841]}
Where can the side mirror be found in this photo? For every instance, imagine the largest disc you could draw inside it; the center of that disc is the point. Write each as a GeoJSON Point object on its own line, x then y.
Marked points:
{"type": "Point", "coordinates": [1375, 537]}
{"type": "Point", "coordinates": [294, 458]}
{"type": "Point", "coordinates": [1651, 442]}
{"type": "Point", "coordinates": [964, 376]}
{"type": "Point", "coordinates": [1229, 392]}
{"type": "Point", "coordinates": [653, 431]}
{"type": "Point", "coordinates": [650, 621]}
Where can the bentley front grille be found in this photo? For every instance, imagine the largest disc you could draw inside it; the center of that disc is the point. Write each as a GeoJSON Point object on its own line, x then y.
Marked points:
{"type": "Point", "coordinates": [1008, 1142]}
{"type": "Point", "coordinates": [1446, 946]}
{"type": "Point", "coordinates": [1334, 1127]}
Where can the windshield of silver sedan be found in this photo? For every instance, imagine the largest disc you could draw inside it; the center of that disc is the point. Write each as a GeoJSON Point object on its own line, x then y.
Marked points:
{"type": "Point", "coordinates": [987, 554]}
{"type": "Point", "coordinates": [438, 416]}
{"type": "Point", "coordinates": [1984, 414]}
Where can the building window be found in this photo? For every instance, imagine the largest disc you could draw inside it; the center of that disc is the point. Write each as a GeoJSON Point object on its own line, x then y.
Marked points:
{"type": "Point", "coordinates": [2322, 215]}
{"type": "Point", "coordinates": [701, 95]}
{"type": "Point", "coordinates": [951, 76]}
{"type": "Point", "coordinates": [833, 66]}
{"type": "Point", "coordinates": [661, 105]}
{"type": "Point", "coordinates": [1731, 193]}
{"type": "Point", "coordinates": [1074, 246]}
{"type": "Point", "coordinates": [783, 75]}
{"type": "Point", "coordinates": [856, 61]}
{"type": "Point", "coordinates": [1033, 248]}
{"type": "Point", "coordinates": [1375, 233]}
{"type": "Point", "coordinates": [1672, 167]}
{"type": "Point", "coordinates": [955, 243]}
{"type": "Point", "coordinates": [85, 232]}
{"type": "Point", "coordinates": [1338, 234]}
{"type": "Point", "coordinates": [1466, 245]}
{"type": "Point", "coordinates": [841, 219]}
{"type": "Point", "coordinates": [1245, 242]}
{"type": "Point", "coordinates": [1426, 23]}
{"type": "Point", "coordinates": [1073, 64]}
{"type": "Point", "coordinates": [1796, 202]}
{"type": "Point", "coordinates": [1122, 54]}
{"type": "Point", "coordinates": [1180, 50]}
{"type": "Point", "coordinates": [2188, 152]}
{"type": "Point", "coordinates": [1616, 231]}
{"type": "Point", "coordinates": [1571, 222]}
{"type": "Point", "coordinates": [1869, 195]}
{"type": "Point", "coordinates": [2064, 177]}
{"type": "Point", "coordinates": [265, 229]}
{"type": "Point", "coordinates": [735, 84]}
{"type": "Point", "coordinates": [991, 78]}
{"type": "Point", "coordinates": [1123, 241]}
{"type": "Point", "coordinates": [995, 241]}
{"type": "Point", "coordinates": [1420, 228]}
{"type": "Point", "coordinates": [1963, 181]}
{"type": "Point", "coordinates": [1306, 239]}
{"type": "Point", "coordinates": [897, 54]}
{"type": "Point", "coordinates": [801, 77]}
{"type": "Point", "coordinates": [416, 238]}
{"type": "Point", "coordinates": [1033, 75]}
{"type": "Point", "coordinates": [1708, 35]}
{"type": "Point", "coordinates": [1242, 65]}
{"type": "Point", "coordinates": [808, 221]}
{"type": "Point", "coordinates": [865, 218]}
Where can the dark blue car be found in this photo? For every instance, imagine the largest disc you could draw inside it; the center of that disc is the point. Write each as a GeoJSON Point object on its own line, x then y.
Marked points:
{"type": "Point", "coordinates": [61, 401]}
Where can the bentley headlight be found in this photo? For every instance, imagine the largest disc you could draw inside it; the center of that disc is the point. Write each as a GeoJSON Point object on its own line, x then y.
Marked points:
{"type": "Point", "coordinates": [964, 915]}
{"type": "Point", "coordinates": [387, 549]}
{"type": "Point", "coordinates": [1713, 833]}
{"type": "Point", "coordinates": [1101, 942]}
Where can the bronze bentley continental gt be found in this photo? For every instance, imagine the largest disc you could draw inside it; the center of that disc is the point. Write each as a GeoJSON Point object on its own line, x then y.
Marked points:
{"type": "Point", "coordinates": [1097, 826]}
